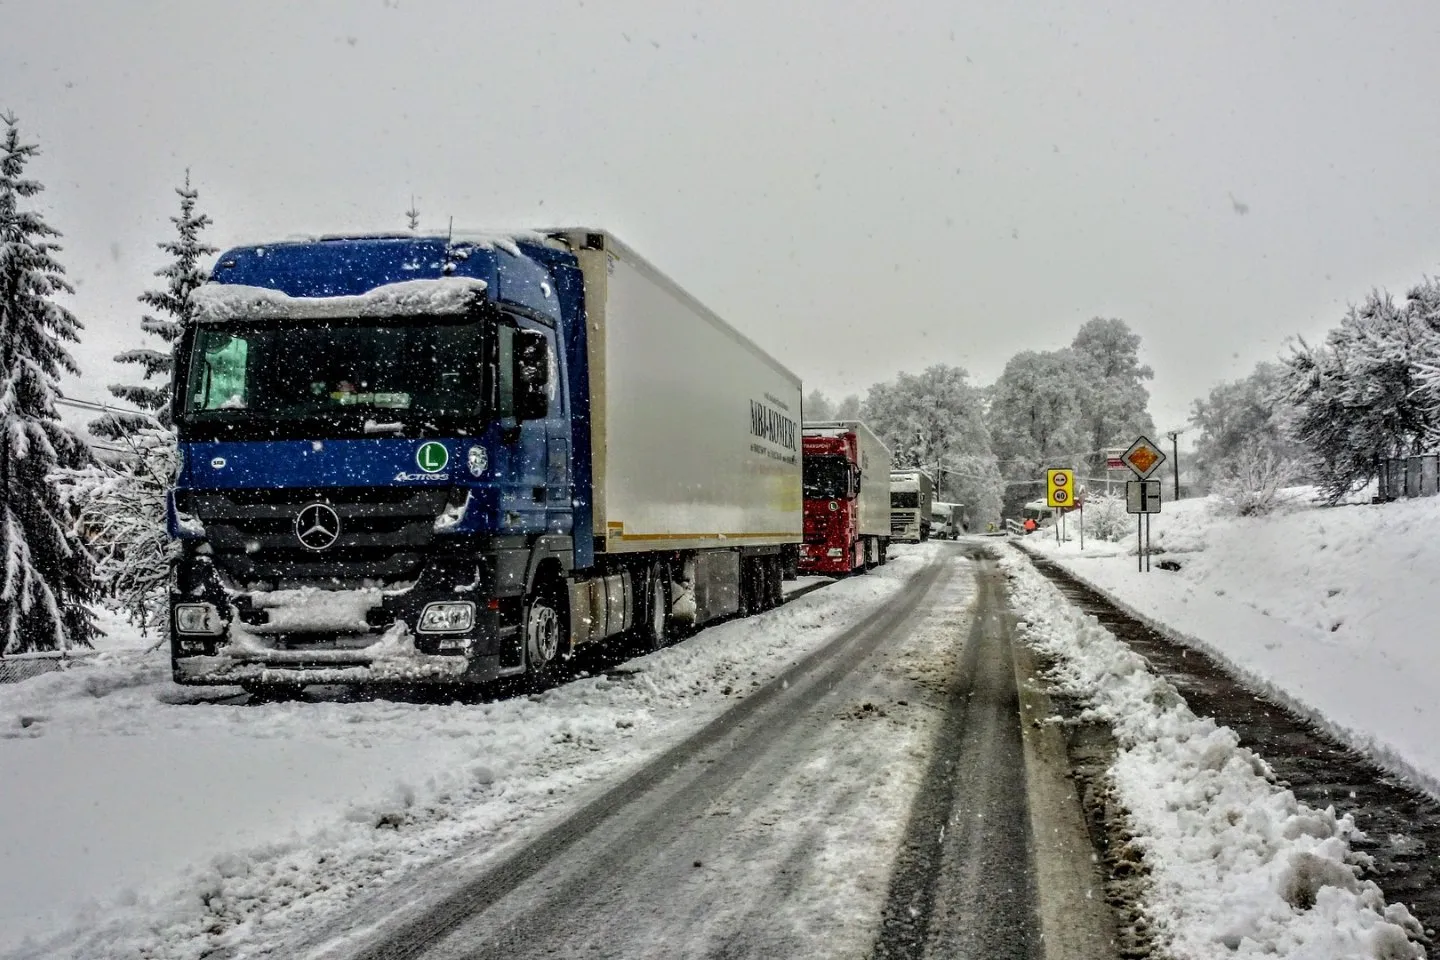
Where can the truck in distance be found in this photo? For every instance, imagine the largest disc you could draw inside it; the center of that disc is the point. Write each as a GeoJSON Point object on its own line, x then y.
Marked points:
{"type": "Point", "coordinates": [847, 498]}
{"type": "Point", "coordinates": [911, 493]}
{"type": "Point", "coordinates": [451, 460]}
{"type": "Point", "coordinates": [946, 520]}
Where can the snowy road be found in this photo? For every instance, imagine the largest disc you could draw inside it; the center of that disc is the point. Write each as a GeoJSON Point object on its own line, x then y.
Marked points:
{"type": "Point", "coordinates": [871, 800]}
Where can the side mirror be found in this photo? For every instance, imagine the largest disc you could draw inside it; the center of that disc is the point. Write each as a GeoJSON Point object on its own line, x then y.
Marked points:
{"type": "Point", "coordinates": [532, 375]}
{"type": "Point", "coordinates": [855, 481]}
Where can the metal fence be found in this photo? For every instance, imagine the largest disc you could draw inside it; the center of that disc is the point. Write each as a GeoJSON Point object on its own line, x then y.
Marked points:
{"type": "Point", "coordinates": [23, 666]}
{"type": "Point", "coordinates": [1417, 476]}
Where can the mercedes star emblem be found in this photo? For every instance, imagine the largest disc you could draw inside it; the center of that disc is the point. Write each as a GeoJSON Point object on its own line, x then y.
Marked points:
{"type": "Point", "coordinates": [317, 527]}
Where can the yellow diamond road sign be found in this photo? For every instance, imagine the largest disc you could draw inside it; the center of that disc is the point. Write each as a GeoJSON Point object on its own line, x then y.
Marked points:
{"type": "Point", "coordinates": [1143, 458]}
{"type": "Point", "coordinates": [1060, 488]}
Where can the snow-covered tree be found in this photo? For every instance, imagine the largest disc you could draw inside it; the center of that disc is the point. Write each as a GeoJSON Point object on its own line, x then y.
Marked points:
{"type": "Point", "coordinates": [120, 509]}
{"type": "Point", "coordinates": [1113, 397]}
{"type": "Point", "coordinates": [1037, 417]}
{"type": "Point", "coordinates": [935, 420]}
{"type": "Point", "coordinates": [848, 408]}
{"type": "Point", "coordinates": [1423, 307]}
{"type": "Point", "coordinates": [1240, 412]}
{"type": "Point", "coordinates": [45, 572]}
{"type": "Point", "coordinates": [1362, 394]}
{"type": "Point", "coordinates": [818, 407]}
{"type": "Point", "coordinates": [172, 311]}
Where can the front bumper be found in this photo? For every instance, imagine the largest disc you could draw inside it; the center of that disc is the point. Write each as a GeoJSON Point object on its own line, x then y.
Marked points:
{"type": "Point", "coordinates": [815, 559]}
{"type": "Point", "coordinates": [313, 635]}
{"type": "Point", "coordinates": [298, 668]}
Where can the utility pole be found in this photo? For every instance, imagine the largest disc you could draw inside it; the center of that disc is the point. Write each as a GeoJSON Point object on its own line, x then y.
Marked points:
{"type": "Point", "coordinates": [1174, 436]}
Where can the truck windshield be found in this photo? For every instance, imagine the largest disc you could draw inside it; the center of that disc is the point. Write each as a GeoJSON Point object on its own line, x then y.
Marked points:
{"type": "Point", "coordinates": [905, 500]}
{"type": "Point", "coordinates": [375, 369]}
{"type": "Point", "coordinates": [827, 478]}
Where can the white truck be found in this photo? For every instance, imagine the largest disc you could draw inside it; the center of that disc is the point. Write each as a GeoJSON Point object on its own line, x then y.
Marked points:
{"type": "Point", "coordinates": [911, 494]}
{"type": "Point", "coordinates": [946, 520]}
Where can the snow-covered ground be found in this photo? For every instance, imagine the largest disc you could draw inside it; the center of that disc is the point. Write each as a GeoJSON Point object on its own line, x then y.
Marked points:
{"type": "Point", "coordinates": [1238, 866]}
{"type": "Point", "coordinates": [1334, 611]}
{"type": "Point", "coordinates": [142, 819]}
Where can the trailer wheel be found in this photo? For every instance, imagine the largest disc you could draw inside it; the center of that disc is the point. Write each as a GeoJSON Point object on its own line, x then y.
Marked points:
{"type": "Point", "coordinates": [542, 626]}
{"type": "Point", "coordinates": [654, 631]}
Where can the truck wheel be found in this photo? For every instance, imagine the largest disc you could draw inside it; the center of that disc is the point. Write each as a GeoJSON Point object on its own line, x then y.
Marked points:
{"type": "Point", "coordinates": [542, 627]}
{"type": "Point", "coordinates": [654, 631]}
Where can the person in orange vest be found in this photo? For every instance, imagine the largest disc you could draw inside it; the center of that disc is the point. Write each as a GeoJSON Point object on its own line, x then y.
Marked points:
{"type": "Point", "coordinates": [1030, 524]}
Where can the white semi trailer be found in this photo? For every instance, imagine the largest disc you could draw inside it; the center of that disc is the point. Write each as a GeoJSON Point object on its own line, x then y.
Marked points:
{"type": "Point", "coordinates": [449, 460]}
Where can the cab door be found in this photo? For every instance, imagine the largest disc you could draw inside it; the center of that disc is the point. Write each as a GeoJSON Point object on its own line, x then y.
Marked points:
{"type": "Point", "coordinates": [538, 498]}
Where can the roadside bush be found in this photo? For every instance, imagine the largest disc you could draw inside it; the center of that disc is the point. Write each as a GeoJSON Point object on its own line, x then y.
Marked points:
{"type": "Point", "coordinates": [119, 513]}
{"type": "Point", "coordinates": [1254, 484]}
{"type": "Point", "coordinates": [1106, 519]}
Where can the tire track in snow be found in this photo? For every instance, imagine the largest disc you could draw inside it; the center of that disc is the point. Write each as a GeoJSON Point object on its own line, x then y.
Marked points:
{"type": "Point", "coordinates": [748, 725]}
{"type": "Point", "coordinates": [964, 883]}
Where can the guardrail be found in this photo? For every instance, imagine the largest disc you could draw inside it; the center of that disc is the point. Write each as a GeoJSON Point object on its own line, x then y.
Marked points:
{"type": "Point", "coordinates": [1015, 527]}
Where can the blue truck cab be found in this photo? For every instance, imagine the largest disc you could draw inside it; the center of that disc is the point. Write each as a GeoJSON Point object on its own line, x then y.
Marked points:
{"type": "Point", "coordinates": [379, 437]}
{"type": "Point", "coordinates": [387, 466]}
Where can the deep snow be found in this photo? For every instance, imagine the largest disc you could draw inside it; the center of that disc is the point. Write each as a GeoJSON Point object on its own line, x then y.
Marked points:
{"type": "Point", "coordinates": [1328, 609]}
{"type": "Point", "coordinates": [167, 822]}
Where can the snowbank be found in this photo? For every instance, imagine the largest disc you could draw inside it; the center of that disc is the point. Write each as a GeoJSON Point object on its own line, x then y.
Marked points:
{"type": "Point", "coordinates": [1239, 867]}
{"type": "Point", "coordinates": [177, 822]}
{"type": "Point", "coordinates": [1329, 610]}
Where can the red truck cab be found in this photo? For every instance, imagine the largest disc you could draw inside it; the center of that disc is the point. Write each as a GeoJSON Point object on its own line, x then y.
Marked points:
{"type": "Point", "coordinates": [847, 499]}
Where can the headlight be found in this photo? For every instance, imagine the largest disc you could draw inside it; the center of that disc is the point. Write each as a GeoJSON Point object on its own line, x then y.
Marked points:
{"type": "Point", "coordinates": [201, 618]}
{"type": "Point", "coordinates": [450, 616]}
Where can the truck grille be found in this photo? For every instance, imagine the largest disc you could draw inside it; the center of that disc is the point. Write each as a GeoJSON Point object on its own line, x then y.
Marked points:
{"type": "Point", "coordinates": [383, 534]}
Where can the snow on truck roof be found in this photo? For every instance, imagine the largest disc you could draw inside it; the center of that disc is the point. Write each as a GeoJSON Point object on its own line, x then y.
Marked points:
{"type": "Point", "coordinates": [227, 302]}
{"type": "Point", "coordinates": [507, 240]}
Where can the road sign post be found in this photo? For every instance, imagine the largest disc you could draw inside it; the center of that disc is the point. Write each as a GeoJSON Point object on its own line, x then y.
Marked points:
{"type": "Point", "coordinates": [1142, 496]}
{"type": "Point", "coordinates": [1059, 494]}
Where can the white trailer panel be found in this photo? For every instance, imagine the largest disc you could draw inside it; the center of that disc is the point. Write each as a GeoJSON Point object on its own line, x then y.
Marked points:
{"type": "Point", "coordinates": [695, 431]}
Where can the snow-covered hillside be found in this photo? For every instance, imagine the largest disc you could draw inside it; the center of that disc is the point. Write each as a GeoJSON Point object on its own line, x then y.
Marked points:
{"type": "Point", "coordinates": [1334, 610]}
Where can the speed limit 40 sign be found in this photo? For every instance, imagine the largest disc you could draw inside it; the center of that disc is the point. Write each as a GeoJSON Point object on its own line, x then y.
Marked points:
{"type": "Point", "coordinates": [1060, 488]}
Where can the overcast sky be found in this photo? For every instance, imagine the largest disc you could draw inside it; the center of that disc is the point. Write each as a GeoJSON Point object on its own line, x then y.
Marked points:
{"type": "Point", "coordinates": [862, 188]}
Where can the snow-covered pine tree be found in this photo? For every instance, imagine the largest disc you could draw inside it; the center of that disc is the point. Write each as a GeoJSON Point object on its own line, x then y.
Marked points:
{"type": "Point", "coordinates": [182, 275]}
{"type": "Point", "coordinates": [45, 571]}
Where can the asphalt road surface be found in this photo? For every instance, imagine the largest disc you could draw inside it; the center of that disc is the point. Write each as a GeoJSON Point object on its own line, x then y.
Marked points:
{"type": "Point", "coordinates": [881, 798]}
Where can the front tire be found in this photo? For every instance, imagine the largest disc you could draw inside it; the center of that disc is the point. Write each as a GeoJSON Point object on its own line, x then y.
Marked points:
{"type": "Point", "coordinates": [543, 632]}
